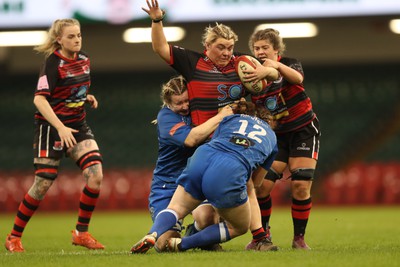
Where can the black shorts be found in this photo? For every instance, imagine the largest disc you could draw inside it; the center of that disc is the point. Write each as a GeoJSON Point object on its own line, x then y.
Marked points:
{"type": "Point", "coordinates": [303, 142]}
{"type": "Point", "coordinates": [47, 142]}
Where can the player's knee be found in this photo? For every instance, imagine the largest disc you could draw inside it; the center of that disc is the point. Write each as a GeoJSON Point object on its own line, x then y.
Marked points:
{"type": "Point", "coordinates": [301, 189]}
{"type": "Point", "coordinates": [94, 175]}
{"type": "Point", "coordinates": [273, 175]}
{"type": "Point", "coordinates": [205, 215]}
{"type": "Point", "coordinates": [303, 174]}
{"type": "Point", "coordinates": [206, 220]}
{"type": "Point", "coordinates": [45, 171]}
{"type": "Point", "coordinates": [301, 183]}
{"type": "Point", "coordinates": [88, 159]}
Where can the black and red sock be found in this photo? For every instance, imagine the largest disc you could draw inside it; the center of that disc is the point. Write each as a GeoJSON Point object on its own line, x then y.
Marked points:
{"type": "Point", "coordinates": [265, 204]}
{"type": "Point", "coordinates": [26, 209]}
{"type": "Point", "coordinates": [300, 213]}
{"type": "Point", "coordinates": [87, 204]}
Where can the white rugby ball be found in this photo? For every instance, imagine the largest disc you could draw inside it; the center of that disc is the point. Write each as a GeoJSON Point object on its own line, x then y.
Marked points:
{"type": "Point", "coordinates": [245, 63]}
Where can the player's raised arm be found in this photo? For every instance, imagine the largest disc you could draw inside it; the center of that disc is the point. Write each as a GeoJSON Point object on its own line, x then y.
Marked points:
{"type": "Point", "coordinates": [159, 42]}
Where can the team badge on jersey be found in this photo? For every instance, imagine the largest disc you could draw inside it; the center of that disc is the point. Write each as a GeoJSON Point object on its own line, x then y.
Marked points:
{"type": "Point", "coordinates": [57, 146]}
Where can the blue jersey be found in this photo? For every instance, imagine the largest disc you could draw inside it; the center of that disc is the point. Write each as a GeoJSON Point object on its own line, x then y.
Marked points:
{"type": "Point", "coordinates": [249, 138]}
{"type": "Point", "coordinates": [219, 170]}
{"type": "Point", "coordinates": [172, 130]}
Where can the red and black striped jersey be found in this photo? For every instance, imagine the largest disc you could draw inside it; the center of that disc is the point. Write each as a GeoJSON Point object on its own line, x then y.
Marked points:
{"type": "Point", "coordinates": [209, 86]}
{"type": "Point", "coordinates": [65, 83]}
{"type": "Point", "coordinates": [287, 102]}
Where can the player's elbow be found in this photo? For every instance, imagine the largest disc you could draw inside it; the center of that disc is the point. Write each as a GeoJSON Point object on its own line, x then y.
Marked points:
{"type": "Point", "coordinates": [162, 50]}
{"type": "Point", "coordinates": [38, 100]}
{"type": "Point", "coordinates": [298, 80]}
{"type": "Point", "coordinates": [191, 142]}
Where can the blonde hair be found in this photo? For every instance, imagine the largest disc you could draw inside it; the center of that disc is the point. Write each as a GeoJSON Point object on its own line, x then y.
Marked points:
{"type": "Point", "coordinates": [272, 36]}
{"type": "Point", "coordinates": [175, 86]}
{"type": "Point", "coordinates": [55, 31]}
{"type": "Point", "coordinates": [211, 34]}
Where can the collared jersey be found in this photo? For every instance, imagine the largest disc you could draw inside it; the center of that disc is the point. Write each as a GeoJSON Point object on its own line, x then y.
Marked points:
{"type": "Point", "coordinates": [210, 87]}
{"type": "Point", "coordinates": [172, 130]}
{"type": "Point", "coordinates": [65, 83]}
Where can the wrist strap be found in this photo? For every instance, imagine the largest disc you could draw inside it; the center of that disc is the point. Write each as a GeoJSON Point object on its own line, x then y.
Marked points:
{"type": "Point", "coordinates": [157, 20]}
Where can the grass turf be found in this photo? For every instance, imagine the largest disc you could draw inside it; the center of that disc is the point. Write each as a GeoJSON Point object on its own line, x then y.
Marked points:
{"type": "Point", "coordinates": [340, 236]}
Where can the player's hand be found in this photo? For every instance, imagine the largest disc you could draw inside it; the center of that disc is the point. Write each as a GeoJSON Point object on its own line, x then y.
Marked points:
{"type": "Point", "coordinates": [67, 137]}
{"type": "Point", "coordinates": [226, 110]}
{"type": "Point", "coordinates": [154, 10]}
{"type": "Point", "coordinates": [269, 70]}
{"type": "Point", "coordinates": [270, 63]}
{"type": "Point", "coordinates": [256, 75]}
{"type": "Point", "coordinates": [92, 101]}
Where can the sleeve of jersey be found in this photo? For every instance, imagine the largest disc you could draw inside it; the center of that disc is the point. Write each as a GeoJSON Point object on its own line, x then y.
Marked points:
{"type": "Point", "coordinates": [184, 61]}
{"type": "Point", "coordinates": [172, 128]}
{"type": "Point", "coordinates": [296, 65]}
{"type": "Point", "coordinates": [47, 78]}
{"type": "Point", "coordinates": [268, 162]}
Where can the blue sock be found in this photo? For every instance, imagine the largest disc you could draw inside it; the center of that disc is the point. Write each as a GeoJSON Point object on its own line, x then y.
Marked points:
{"type": "Point", "coordinates": [164, 221]}
{"type": "Point", "coordinates": [213, 234]}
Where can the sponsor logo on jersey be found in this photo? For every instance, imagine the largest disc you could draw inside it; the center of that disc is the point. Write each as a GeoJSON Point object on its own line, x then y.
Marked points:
{"type": "Point", "coordinates": [271, 103]}
{"type": "Point", "coordinates": [234, 91]}
{"type": "Point", "coordinates": [241, 141]}
{"type": "Point", "coordinates": [78, 97]}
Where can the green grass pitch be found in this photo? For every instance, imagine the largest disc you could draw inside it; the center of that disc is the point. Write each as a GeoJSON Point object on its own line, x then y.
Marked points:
{"type": "Point", "coordinates": [339, 236]}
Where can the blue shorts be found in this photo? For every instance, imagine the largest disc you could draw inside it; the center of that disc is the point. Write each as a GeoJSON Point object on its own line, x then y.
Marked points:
{"type": "Point", "coordinates": [216, 176]}
{"type": "Point", "coordinates": [160, 195]}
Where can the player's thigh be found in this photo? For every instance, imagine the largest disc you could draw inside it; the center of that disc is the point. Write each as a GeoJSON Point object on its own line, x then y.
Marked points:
{"type": "Point", "coordinates": [47, 161]}
{"type": "Point", "coordinates": [279, 166]}
{"type": "Point", "coordinates": [237, 218]}
{"type": "Point", "coordinates": [183, 202]}
{"type": "Point", "coordinates": [81, 148]}
{"type": "Point", "coordinates": [302, 162]}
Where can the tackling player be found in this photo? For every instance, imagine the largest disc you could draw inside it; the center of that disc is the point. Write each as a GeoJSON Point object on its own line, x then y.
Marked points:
{"type": "Point", "coordinates": [177, 140]}
{"type": "Point", "coordinates": [219, 171]}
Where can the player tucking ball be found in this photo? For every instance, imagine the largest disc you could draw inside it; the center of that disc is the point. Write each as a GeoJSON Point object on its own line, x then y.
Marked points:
{"type": "Point", "coordinates": [246, 68]}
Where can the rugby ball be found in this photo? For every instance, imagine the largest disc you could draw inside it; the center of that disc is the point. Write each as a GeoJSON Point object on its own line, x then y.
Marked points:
{"type": "Point", "coordinates": [245, 63]}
